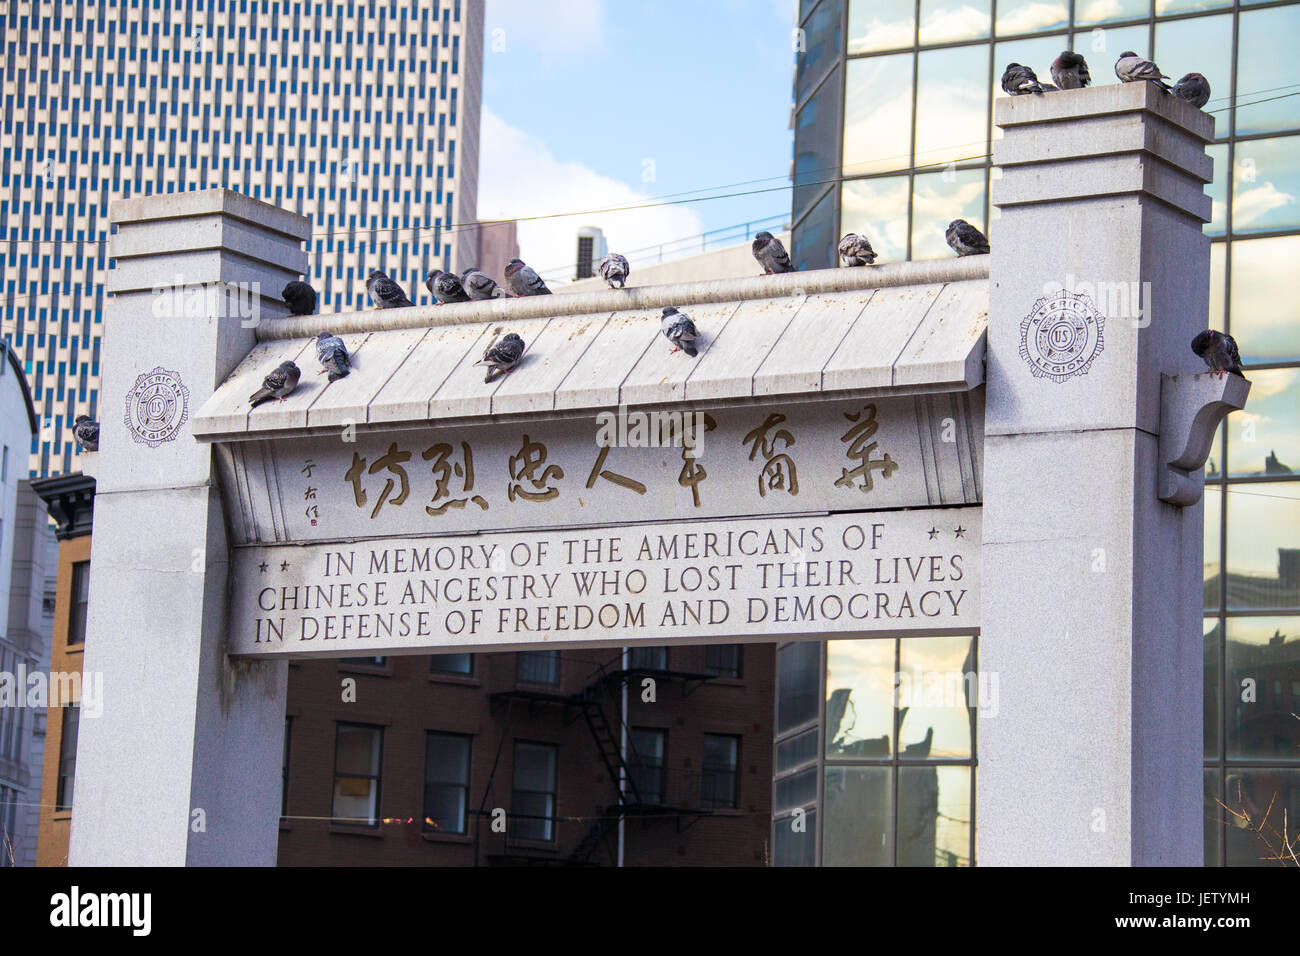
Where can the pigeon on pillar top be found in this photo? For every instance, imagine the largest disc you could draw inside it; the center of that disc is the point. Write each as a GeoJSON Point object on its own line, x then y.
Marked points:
{"type": "Point", "coordinates": [1193, 88]}
{"type": "Point", "coordinates": [279, 383]}
{"type": "Point", "coordinates": [385, 293]}
{"type": "Point", "coordinates": [1018, 80]}
{"type": "Point", "coordinates": [1070, 71]}
{"type": "Point", "coordinates": [771, 255]}
{"type": "Point", "coordinates": [300, 298]}
{"type": "Point", "coordinates": [1219, 350]}
{"type": "Point", "coordinates": [1131, 68]}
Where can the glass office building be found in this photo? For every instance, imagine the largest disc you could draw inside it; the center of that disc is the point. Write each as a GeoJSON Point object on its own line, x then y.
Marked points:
{"type": "Point", "coordinates": [363, 116]}
{"type": "Point", "coordinates": [893, 132]}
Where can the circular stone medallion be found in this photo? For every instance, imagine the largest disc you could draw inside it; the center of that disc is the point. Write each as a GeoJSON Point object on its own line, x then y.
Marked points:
{"type": "Point", "coordinates": [157, 407]}
{"type": "Point", "coordinates": [1061, 336]}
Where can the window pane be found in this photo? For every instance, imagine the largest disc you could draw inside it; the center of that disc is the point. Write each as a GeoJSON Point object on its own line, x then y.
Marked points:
{"type": "Point", "coordinates": [446, 783]}
{"type": "Point", "coordinates": [1218, 191]}
{"type": "Point", "coordinates": [816, 158]}
{"type": "Point", "coordinates": [1264, 438]}
{"type": "Point", "coordinates": [1186, 6]}
{"type": "Point", "coordinates": [1266, 184]}
{"type": "Point", "coordinates": [797, 683]}
{"type": "Point", "coordinates": [1211, 711]}
{"type": "Point", "coordinates": [1115, 41]}
{"type": "Point", "coordinates": [1213, 502]}
{"type": "Point", "coordinates": [952, 106]}
{"type": "Point", "coordinates": [68, 756]}
{"type": "Point", "coordinates": [1213, 814]}
{"type": "Point", "coordinates": [1265, 317]}
{"type": "Point", "coordinates": [1265, 63]}
{"type": "Point", "coordinates": [934, 815]}
{"type": "Point", "coordinates": [937, 686]}
{"type": "Point", "coordinates": [356, 800]}
{"type": "Point", "coordinates": [1263, 686]}
{"type": "Point", "coordinates": [858, 827]}
{"type": "Point", "coordinates": [943, 21]}
{"type": "Point", "coordinates": [722, 660]}
{"type": "Point", "coordinates": [881, 25]}
{"type": "Point", "coordinates": [1218, 272]}
{"type": "Point", "coordinates": [797, 750]}
{"type": "Point", "coordinates": [878, 114]}
{"type": "Point", "coordinates": [646, 763]}
{"type": "Point", "coordinates": [451, 664]}
{"type": "Point", "coordinates": [795, 847]}
{"type": "Point", "coordinates": [821, 44]}
{"type": "Point", "coordinates": [718, 779]}
{"type": "Point", "coordinates": [538, 667]}
{"type": "Point", "coordinates": [796, 790]}
{"type": "Point", "coordinates": [532, 808]}
{"type": "Point", "coordinates": [648, 658]}
{"type": "Point", "coordinates": [534, 767]}
{"type": "Point", "coordinates": [859, 698]}
{"type": "Point", "coordinates": [877, 209]}
{"type": "Point", "coordinates": [1248, 794]}
{"type": "Point", "coordinates": [1263, 545]}
{"type": "Point", "coordinates": [1031, 16]}
{"type": "Point", "coordinates": [1089, 12]}
{"type": "Point", "coordinates": [80, 602]}
{"type": "Point", "coordinates": [814, 241]}
{"type": "Point", "coordinates": [1206, 42]}
{"type": "Point", "coordinates": [358, 750]}
{"type": "Point", "coordinates": [938, 199]}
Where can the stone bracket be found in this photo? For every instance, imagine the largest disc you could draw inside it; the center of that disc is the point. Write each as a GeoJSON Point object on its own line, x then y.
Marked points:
{"type": "Point", "coordinates": [1191, 408]}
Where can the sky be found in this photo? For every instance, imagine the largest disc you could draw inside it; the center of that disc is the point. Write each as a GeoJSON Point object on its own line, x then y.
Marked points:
{"type": "Point", "coordinates": [589, 104]}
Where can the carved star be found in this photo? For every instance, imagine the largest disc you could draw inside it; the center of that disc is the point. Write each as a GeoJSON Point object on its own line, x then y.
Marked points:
{"type": "Point", "coordinates": [262, 567]}
{"type": "Point", "coordinates": [959, 531]}
{"type": "Point", "coordinates": [284, 565]}
{"type": "Point", "coordinates": [933, 532]}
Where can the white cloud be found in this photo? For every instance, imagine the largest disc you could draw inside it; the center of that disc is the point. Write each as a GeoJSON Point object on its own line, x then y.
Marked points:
{"type": "Point", "coordinates": [519, 176]}
{"type": "Point", "coordinates": [578, 28]}
{"type": "Point", "coordinates": [1250, 204]}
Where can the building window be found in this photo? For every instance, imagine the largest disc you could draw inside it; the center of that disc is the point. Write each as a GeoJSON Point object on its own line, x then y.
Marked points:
{"type": "Point", "coordinates": [722, 660]}
{"type": "Point", "coordinates": [4, 464]}
{"type": "Point", "coordinates": [532, 802]}
{"type": "Point", "coordinates": [364, 661]}
{"type": "Point", "coordinates": [452, 664]}
{"type": "Point", "coordinates": [647, 658]}
{"type": "Point", "coordinates": [538, 667]}
{"type": "Point", "coordinates": [284, 770]}
{"type": "Point", "coordinates": [8, 824]}
{"type": "Point", "coordinates": [67, 757]}
{"type": "Point", "coordinates": [718, 779]}
{"type": "Point", "coordinates": [358, 754]}
{"type": "Point", "coordinates": [80, 601]}
{"type": "Point", "coordinates": [446, 783]}
{"type": "Point", "coordinates": [646, 763]}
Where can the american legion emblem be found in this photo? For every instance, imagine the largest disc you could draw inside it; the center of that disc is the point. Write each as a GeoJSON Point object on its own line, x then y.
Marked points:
{"type": "Point", "coordinates": [157, 407]}
{"type": "Point", "coordinates": [1061, 335]}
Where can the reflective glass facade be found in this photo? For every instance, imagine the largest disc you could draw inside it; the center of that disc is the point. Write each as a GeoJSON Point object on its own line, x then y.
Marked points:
{"type": "Point", "coordinates": [910, 150]}
{"type": "Point", "coordinates": [362, 116]}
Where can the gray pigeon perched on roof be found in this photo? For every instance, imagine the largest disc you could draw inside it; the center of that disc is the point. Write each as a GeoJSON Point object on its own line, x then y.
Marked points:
{"type": "Point", "coordinates": [1070, 71]}
{"type": "Point", "coordinates": [1018, 80]}
{"type": "Point", "coordinates": [385, 293]}
{"type": "Point", "coordinates": [1131, 68]}
{"type": "Point", "coordinates": [279, 382]}
{"type": "Point", "coordinates": [333, 355]}
{"type": "Point", "coordinates": [771, 255]}
{"type": "Point", "coordinates": [300, 298]}
{"type": "Point", "coordinates": [501, 356]}
{"type": "Point", "coordinates": [522, 280]}
{"type": "Point", "coordinates": [614, 268]}
{"type": "Point", "coordinates": [1219, 351]}
{"type": "Point", "coordinates": [1193, 88]}
{"type": "Point", "coordinates": [480, 285]}
{"type": "Point", "coordinates": [86, 430]}
{"type": "Point", "coordinates": [678, 328]}
{"type": "Point", "coordinates": [855, 250]}
{"type": "Point", "coordinates": [965, 239]}
{"type": "Point", "coordinates": [445, 287]}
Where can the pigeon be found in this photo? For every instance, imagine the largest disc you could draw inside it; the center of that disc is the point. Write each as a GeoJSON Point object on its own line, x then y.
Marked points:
{"type": "Point", "coordinates": [771, 255]}
{"type": "Point", "coordinates": [1219, 351]}
{"type": "Point", "coordinates": [445, 287]}
{"type": "Point", "coordinates": [522, 280]}
{"type": "Point", "coordinates": [1131, 68]}
{"type": "Point", "coordinates": [965, 239]}
{"type": "Point", "coordinates": [1070, 71]}
{"type": "Point", "coordinates": [86, 430]}
{"type": "Point", "coordinates": [614, 268]}
{"type": "Point", "coordinates": [678, 328]}
{"type": "Point", "coordinates": [385, 293]}
{"type": "Point", "coordinates": [300, 298]}
{"type": "Point", "coordinates": [1193, 88]}
{"type": "Point", "coordinates": [501, 356]}
{"type": "Point", "coordinates": [1018, 80]}
{"type": "Point", "coordinates": [279, 382]}
{"type": "Point", "coordinates": [333, 355]}
{"type": "Point", "coordinates": [480, 285]}
{"type": "Point", "coordinates": [855, 250]}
